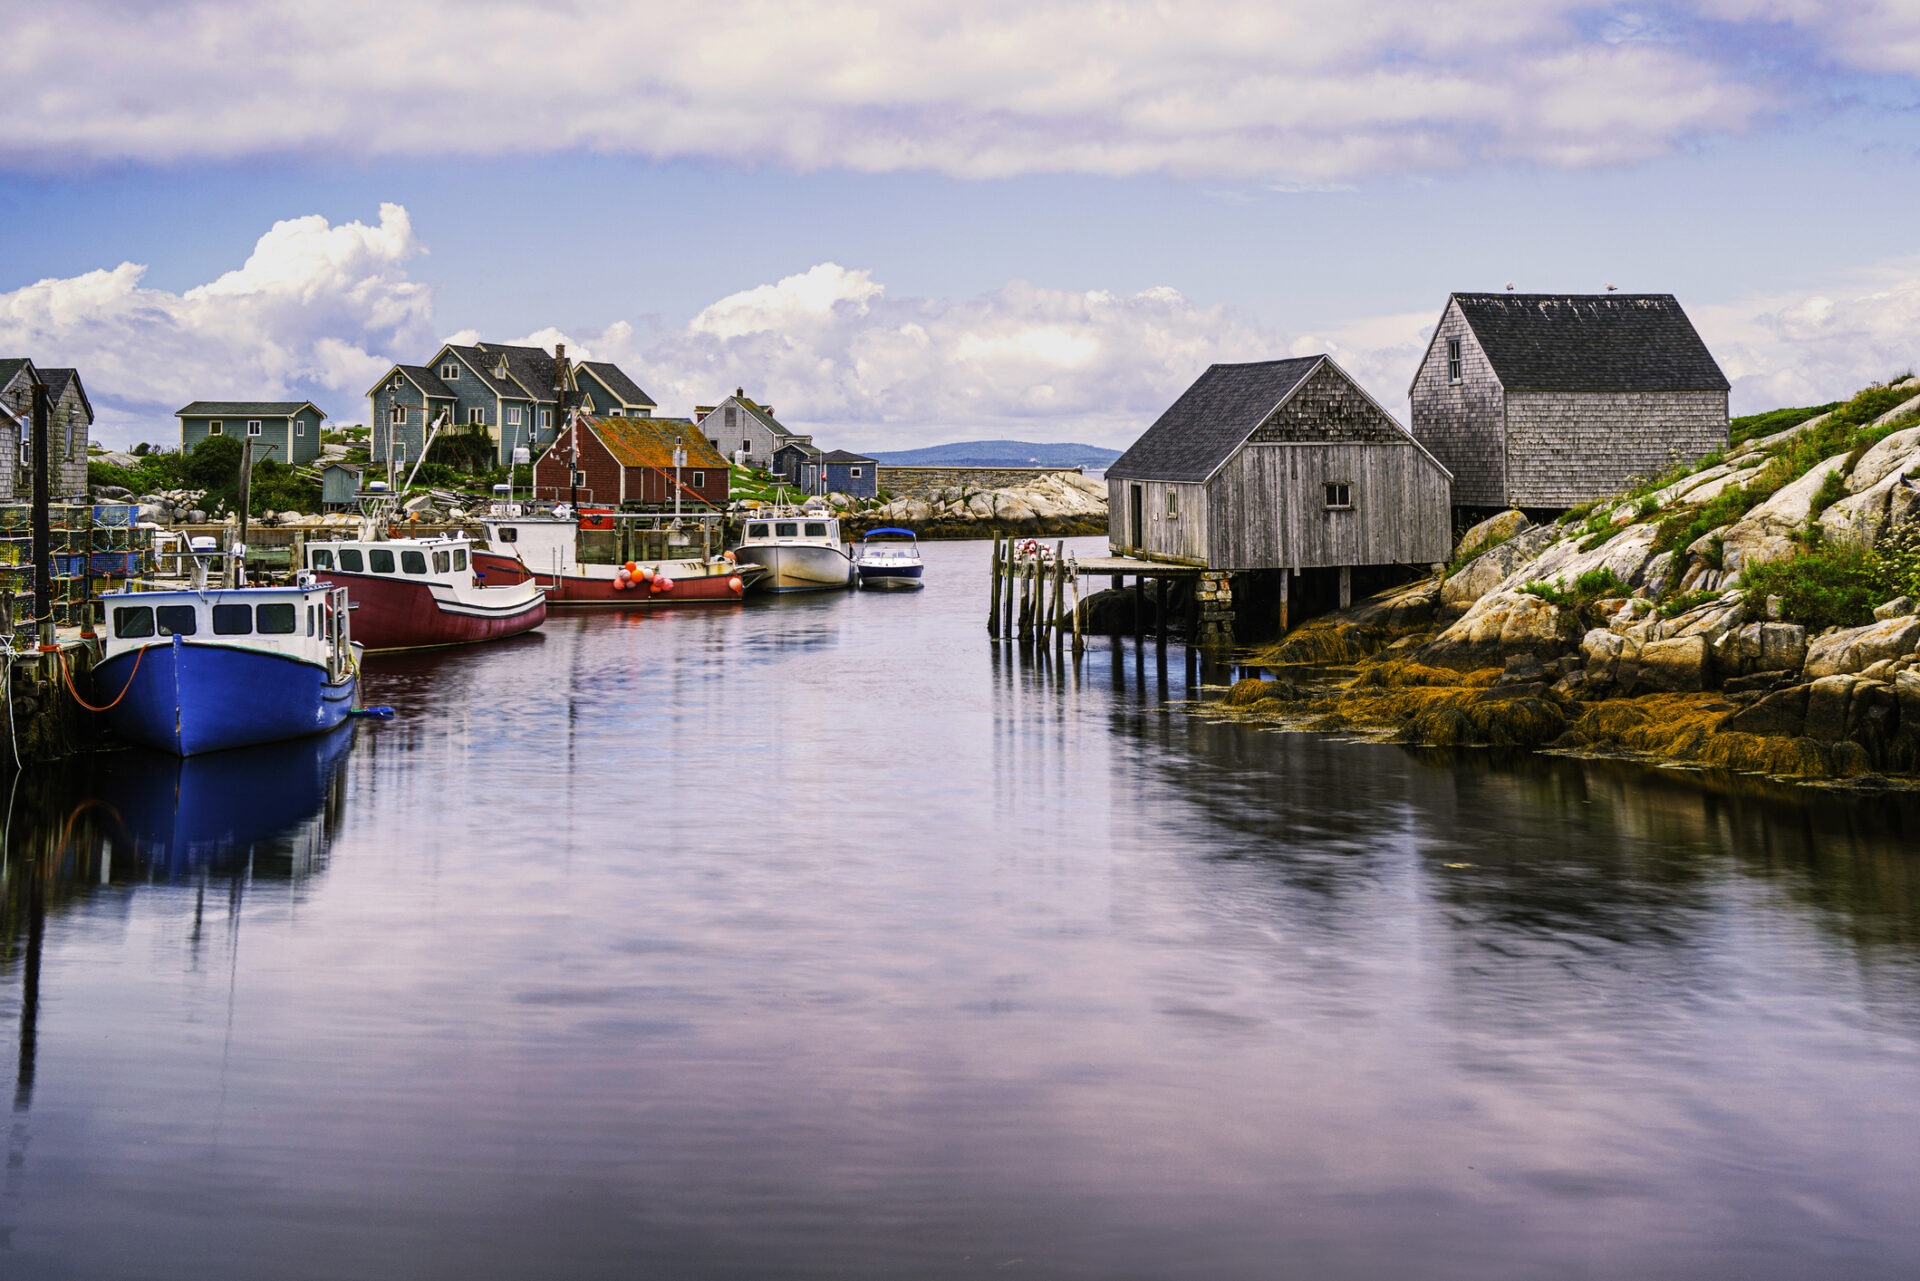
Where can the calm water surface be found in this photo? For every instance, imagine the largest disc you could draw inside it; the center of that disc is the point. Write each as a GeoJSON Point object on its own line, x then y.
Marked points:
{"type": "Point", "coordinates": [814, 939]}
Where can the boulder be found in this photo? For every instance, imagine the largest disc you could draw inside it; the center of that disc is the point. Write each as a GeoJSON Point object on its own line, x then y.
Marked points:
{"type": "Point", "coordinates": [1897, 453]}
{"type": "Point", "coordinates": [1678, 665]}
{"type": "Point", "coordinates": [1767, 532]}
{"type": "Point", "coordinates": [1494, 529]}
{"type": "Point", "coordinates": [1760, 647]}
{"type": "Point", "coordinates": [1827, 701]}
{"type": "Point", "coordinates": [1500, 625]}
{"type": "Point", "coordinates": [1494, 567]}
{"type": "Point", "coordinates": [1853, 648]}
{"type": "Point", "coordinates": [1782, 713]}
{"type": "Point", "coordinates": [1894, 608]}
{"type": "Point", "coordinates": [1603, 651]}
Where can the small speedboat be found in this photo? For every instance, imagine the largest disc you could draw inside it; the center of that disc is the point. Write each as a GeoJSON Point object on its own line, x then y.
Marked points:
{"type": "Point", "coordinates": [206, 669]}
{"type": "Point", "coordinates": [882, 560]}
{"type": "Point", "coordinates": [800, 549]}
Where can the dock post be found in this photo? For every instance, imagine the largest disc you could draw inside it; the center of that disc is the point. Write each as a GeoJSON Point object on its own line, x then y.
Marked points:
{"type": "Point", "coordinates": [1006, 601]}
{"type": "Point", "coordinates": [1139, 609]}
{"type": "Point", "coordinates": [1286, 576]}
{"type": "Point", "coordinates": [1026, 601]}
{"type": "Point", "coordinates": [1079, 644]}
{"type": "Point", "coordinates": [1346, 586]}
{"type": "Point", "coordinates": [1160, 613]}
{"type": "Point", "coordinates": [41, 518]}
{"type": "Point", "coordinates": [1059, 589]}
{"type": "Point", "coordinates": [993, 607]}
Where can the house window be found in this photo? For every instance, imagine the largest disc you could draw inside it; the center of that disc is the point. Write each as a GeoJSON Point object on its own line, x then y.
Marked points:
{"type": "Point", "coordinates": [476, 416]}
{"type": "Point", "coordinates": [253, 426]}
{"type": "Point", "coordinates": [699, 480]}
{"type": "Point", "coordinates": [546, 418]}
{"type": "Point", "coordinates": [1173, 504]}
{"type": "Point", "coordinates": [733, 417]}
{"type": "Point", "coordinates": [579, 478]}
{"type": "Point", "coordinates": [299, 426]}
{"type": "Point", "coordinates": [854, 472]}
{"type": "Point", "coordinates": [449, 372]}
{"type": "Point", "coordinates": [216, 428]}
{"type": "Point", "coordinates": [1453, 360]}
{"type": "Point", "coordinates": [26, 451]}
{"type": "Point", "coordinates": [714, 443]}
{"type": "Point", "coordinates": [396, 382]}
{"type": "Point", "coordinates": [746, 447]}
{"type": "Point", "coordinates": [1339, 494]}
{"type": "Point", "coordinates": [397, 416]}
{"type": "Point", "coordinates": [513, 416]}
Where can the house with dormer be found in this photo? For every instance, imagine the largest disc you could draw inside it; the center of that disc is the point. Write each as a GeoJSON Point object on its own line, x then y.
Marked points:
{"type": "Point", "coordinates": [743, 430]}
{"type": "Point", "coordinates": [504, 392]}
{"type": "Point", "coordinates": [70, 424]}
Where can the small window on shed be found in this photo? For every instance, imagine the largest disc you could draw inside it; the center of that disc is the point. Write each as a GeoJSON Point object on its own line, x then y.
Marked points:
{"type": "Point", "coordinates": [1339, 493]}
{"type": "Point", "coordinates": [299, 426]}
{"type": "Point", "coordinates": [216, 428]}
{"type": "Point", "coordinates": [1453, 360]}
{"type": "Point", "coordinates": [1173, 504]}
{"type": "Point", "coordinates": [854, 472]}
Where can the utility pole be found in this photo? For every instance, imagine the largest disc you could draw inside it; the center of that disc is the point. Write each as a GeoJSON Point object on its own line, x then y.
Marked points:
{"type": "Point", "coordinates": [42, 518]}
{"type": "Point", "coordinates": [573, 428]}
{"type": "Point", "coordinates": [679, 461]}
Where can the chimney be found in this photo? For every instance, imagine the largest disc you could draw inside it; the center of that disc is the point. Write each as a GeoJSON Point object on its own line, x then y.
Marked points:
{"type": "Point", "coordinates": [739, 393]}
{"type": "Point", "coordinates": [559, 351]}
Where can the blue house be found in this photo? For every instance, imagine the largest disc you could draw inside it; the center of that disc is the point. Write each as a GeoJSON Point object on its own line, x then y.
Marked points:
{"type": "Point", "coordinates": [339, 485]}
{"type": "Point", "coordinates": [287, 431]}
{"type": "Point", "coordinates": [854, 475]}
{"type": "Point", "coordinates": [502, 392]}
{"type": "Point", "coordinates": [797, 462]}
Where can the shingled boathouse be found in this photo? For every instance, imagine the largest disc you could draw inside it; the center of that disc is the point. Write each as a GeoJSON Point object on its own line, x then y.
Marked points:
{"type": "Point", "coordinates": [1544, 401]}
{"type": "Point", "coordinates": [1276, 477]}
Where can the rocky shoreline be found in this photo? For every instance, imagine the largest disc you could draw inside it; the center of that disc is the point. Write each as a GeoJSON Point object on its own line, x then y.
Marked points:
{"type": "Point", "coordinates": [1636, 629]}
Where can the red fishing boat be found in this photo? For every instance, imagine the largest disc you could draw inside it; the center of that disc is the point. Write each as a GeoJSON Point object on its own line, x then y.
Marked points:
{"type": "Point", "coordinates": [597, 556]}
{"type": "Point", "coordinates": [413, 593]}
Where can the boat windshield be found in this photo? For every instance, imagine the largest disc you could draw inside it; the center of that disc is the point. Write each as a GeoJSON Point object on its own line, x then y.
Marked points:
{"type": "Point", "coordinates": [816, 529]}
{"type": "Point", "coordinates": [756, 531]}
{"type": "Point", "coordinates": [786, 529]}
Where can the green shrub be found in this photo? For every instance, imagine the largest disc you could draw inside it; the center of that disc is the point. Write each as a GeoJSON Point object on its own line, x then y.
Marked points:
{"type": "Point", "coordinates": [1681, 602]}
{"type": "Point", "coordinates": [1831, 586]}
{"type": "Point", "coordinates": [1753, 426]}
{"type": "Point", "coordinates": [1831, 491]}
{"type": "Point", "coordinates": [1597, 584]}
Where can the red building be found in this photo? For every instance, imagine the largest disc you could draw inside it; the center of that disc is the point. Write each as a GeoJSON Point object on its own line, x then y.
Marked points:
{"type": "Point", "coordinates": [628, 462]}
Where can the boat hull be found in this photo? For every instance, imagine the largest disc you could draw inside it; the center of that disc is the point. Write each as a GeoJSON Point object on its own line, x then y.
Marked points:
{"type": "Point", "coordinates": [575, 589]}
{"type": "Point", "coordinates": [797, 567]}
{"type": "Point", "coordinates": [188, 698]}
{"type": "Point", "coordinates": [394, 613]}
{"type": "Point", "coordinates": [896, 577]}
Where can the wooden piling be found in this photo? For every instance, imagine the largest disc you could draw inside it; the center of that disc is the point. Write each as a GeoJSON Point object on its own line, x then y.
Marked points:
{"type": "Point", "coordinates": [1286, 575]}
{"type": "Point", "coordinates": [1139, 608]}
{"type": "Point", "coordinates": [1079, 644]}
{"type": "Point", "coordinates": [1346, 586]}
{"type": "Point", "coordinates": [1006, 602]}
{"type": "Point", "coordinates": [1160, 614]}
{"type": "Point", "coordinates": [1059, 587]}
{"type": "Point", "coordinates": [993, 608]}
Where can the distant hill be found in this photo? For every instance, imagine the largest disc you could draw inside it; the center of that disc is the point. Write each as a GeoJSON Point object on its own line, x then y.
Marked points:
{"type": "Point", "coordinates": [1001, 453]}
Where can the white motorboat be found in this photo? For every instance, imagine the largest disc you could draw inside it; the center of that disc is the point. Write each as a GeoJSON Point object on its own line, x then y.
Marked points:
{"type": "Point", "coordinates": [882, 560]}
{"type": "Point", "coordinates": [800, 547]}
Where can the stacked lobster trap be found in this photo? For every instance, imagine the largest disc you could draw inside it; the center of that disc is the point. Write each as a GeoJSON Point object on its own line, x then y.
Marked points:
{"type": "Point", "coordinates": [93, 548]}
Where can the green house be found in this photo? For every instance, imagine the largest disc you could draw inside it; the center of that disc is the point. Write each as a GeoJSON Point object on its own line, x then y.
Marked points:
{"type": "Point", "coordinates": [286, 431]}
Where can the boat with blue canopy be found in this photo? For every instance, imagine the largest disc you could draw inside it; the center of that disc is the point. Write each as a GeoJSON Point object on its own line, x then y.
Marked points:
{"type": "Point", "coordinates": [883, 560]}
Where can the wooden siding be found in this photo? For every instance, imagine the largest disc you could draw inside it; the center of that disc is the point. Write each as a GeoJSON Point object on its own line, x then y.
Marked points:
{"type": "Point", "coordinates": [1565, 448]}
{"type": "Point", "coordinates": [608, 484]}
{"type": "Point", "coordinates": [413, 434]}
{"type": "Point", "coordinates": [1182, 538]}
{"type": "Point", "coordinates": [69, 429]}
{"type": "Point", "coordinates": [1463, 424]}
{"type": "Point", "coordinates": [1267, 507]}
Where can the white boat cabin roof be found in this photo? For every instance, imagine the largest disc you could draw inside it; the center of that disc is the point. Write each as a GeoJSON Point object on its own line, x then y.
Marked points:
{"type": "Point", "coordinates": [298, 622]}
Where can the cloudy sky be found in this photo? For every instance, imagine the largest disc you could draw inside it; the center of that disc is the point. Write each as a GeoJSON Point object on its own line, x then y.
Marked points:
{"type": "Point", "coordinates": [907, 223]}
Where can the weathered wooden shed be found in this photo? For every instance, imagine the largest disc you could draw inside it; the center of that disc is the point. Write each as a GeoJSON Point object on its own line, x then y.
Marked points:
{"type": "Point", "coordinates": [1543, 401]}
{"type": "Point", "coordinates": [628, 462]}
{"type": "Point", "coordinates": [1284, 464]}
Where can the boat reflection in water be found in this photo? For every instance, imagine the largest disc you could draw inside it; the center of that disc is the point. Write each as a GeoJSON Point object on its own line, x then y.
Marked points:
{"type": "Point", "coordinates": [264, 811]}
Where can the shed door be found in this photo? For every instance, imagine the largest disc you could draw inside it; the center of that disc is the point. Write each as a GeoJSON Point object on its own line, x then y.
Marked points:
{"type": "Point", "coordinates": [1137, 514]}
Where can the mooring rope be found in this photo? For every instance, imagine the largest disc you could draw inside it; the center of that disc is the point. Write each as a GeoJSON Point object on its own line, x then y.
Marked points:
{"type": "Point", "coordinates": [67, 672]}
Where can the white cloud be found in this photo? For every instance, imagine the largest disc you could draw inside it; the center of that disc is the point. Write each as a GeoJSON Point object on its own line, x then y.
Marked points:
{"type": "Point", "coordinates": [305, 314]}
{"type": "Point", "coordinates": [320, 311]}
{"type": "Point", "coordinates": [1304, 92]}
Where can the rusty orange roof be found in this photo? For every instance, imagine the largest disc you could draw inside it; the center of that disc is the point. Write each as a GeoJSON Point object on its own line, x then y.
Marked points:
{"type": "Point", "coordinates": [648, 442]}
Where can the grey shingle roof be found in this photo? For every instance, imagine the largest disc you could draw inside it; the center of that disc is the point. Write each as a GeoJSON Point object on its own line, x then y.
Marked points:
{"type": "Point", "coordinates": [802, 443]}
{"type": "Point", "coordinates": [617, 382]}
{"type": "Point", "coordinates": [247, 409]}
{"type": "Point", "coordinates": [528, 368]}
{"type": "Point", "coordinates": [1591, 342]}
{"type": "Point", "coordinates": [1211, 419]}
{"type": "Point", "coordinates": [11, 367]}
{"type": "Point", "coordinates": [427, 381]}
{"type": "Point", "coordinates": [842, 456]}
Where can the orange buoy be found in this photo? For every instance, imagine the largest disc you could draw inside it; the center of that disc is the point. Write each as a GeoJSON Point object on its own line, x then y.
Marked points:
{"type": "Point", "coordinates": [737, 585]}
{"type": "Point", "coordinates": [632, 569]}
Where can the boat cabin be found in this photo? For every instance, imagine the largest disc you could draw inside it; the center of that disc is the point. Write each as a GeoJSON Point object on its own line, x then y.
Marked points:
{"type": "Point", "coordinates": [399, 557]}
{"type": "Point", "coordinates": [298, 622]}
{"type": "Point", "coordinates": [804, 527]}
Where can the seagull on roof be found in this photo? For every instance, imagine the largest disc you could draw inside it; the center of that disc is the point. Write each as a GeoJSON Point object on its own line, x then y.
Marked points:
{"type": "Point", "coordinates": [1611, 287]}
{"type": "Point", "coordinates": [1509, 286]}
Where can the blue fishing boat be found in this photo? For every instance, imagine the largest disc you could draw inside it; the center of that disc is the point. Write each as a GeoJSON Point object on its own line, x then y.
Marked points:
{"type": "Point", "coordinates": [202, 670]}
{"type": "Point", "coordinates": [883, 561]}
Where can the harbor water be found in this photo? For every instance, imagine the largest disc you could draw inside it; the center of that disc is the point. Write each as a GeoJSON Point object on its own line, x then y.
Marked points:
{"type": "Point", "coordinates": [821, 937]}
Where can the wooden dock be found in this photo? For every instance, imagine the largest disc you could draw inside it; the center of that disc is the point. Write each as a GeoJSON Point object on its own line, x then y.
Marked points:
{"type": "Point", "coordinates": [1030, 583]}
